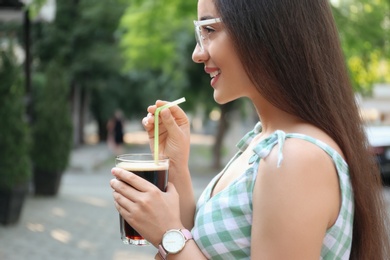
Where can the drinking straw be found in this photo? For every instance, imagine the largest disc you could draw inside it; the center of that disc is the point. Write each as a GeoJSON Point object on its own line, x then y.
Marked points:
{"type": "Point", "coordinates": [156, 115]}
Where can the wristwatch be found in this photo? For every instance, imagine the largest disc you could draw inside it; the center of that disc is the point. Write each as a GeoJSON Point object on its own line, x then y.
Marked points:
{"type": "Point", "coordinates": [173, 242]}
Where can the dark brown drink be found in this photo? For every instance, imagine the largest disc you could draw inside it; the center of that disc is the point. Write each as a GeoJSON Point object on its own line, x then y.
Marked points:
{"type": "Point", "coordinates": [150, 171]}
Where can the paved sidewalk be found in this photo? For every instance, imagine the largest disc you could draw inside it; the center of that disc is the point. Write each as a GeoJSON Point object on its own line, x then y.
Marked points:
{"type": "Point", "coordinates": [81, 222]}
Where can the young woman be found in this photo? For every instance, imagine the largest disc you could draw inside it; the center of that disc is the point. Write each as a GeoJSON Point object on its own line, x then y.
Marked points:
{"type": "Point", "coordinates": [303, 184]}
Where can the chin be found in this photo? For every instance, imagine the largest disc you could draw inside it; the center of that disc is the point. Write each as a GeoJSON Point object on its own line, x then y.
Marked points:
{"type": "Point", "coordinates": [222, 100]}
{"type": "Point", "coordinates": [219, 100]}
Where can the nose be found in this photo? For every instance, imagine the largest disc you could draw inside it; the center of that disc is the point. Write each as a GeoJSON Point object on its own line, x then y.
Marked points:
{"type": "Point", "coordinates": [199, 55]}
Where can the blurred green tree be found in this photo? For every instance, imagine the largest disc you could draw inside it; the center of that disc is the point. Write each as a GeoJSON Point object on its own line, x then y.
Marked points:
{"type": "Point", "coordinates": [51, 130]}
{"type": "Point", "coordinates": [15, 164]}
{"type": "Point", "coordinates": [157, 40]}
{"type": "Point", "coordinates": [364, 27]}
{"type": "Point", "coordinates": [15, 168]}
{"type": "Point", "coordinates": [83, 38]}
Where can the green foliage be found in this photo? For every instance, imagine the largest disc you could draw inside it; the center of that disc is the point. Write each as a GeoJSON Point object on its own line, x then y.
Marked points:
{"type": "Point", "coordinates": [83, 36]}
{"type": "Point", "coordinates": [155, 33]}
{"type": "Point", "coordinates": [14, 133]}
{"type": "Point", "coordinates": [364, 27]}
{"type": "Point", "coordinates": [52, 127]}
{"type": "Point", "coordinates": [97, 62]}
{"type": "Point", "coordinates": [34, 7]}
{"type": "Point", "coordinates": [157, 39]}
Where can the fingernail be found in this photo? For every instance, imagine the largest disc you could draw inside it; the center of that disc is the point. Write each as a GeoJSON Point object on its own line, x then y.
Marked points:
{"type": "Point", "coordinates": [145, 121]}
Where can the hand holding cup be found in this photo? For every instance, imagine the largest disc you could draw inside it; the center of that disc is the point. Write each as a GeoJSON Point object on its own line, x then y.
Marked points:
{"type": "Point", "coordinates": [144, 207]}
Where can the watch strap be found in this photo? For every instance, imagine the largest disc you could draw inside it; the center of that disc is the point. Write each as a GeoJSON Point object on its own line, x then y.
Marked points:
{"type": "Point", "coordinates": [187, 235]}
{"type": "Point", "coordinates": [162, 252]}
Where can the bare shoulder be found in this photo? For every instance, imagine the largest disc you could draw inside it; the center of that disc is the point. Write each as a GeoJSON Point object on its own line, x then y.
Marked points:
{"type": "Point", "coordinates": [304, 165]}
{"type": "Point", "coordinates": [301, 155]}
{"type": "Point", "coordinates": [294, 204]}
{"type": "Point", "coordinates": [305, 168]}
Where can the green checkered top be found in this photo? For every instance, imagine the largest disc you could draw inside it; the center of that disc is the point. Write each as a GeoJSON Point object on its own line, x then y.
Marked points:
{"type": "Point", "coordinates": [223, 222]}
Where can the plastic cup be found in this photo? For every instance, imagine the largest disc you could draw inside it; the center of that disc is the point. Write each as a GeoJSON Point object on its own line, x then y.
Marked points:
{"type": "Point", "coordinates": [145, 166]}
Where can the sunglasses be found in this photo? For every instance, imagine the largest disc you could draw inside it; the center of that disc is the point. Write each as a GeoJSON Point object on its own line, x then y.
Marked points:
{"type": "Point", "coordinates": [202, 31]}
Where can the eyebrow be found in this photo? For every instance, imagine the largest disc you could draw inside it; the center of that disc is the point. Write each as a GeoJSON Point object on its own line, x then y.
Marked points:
{"type": "Point", "coordinates": [206, 17]}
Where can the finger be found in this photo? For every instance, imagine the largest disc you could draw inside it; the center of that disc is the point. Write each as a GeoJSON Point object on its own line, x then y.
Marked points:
{"type": "Point", "coordinates": [148, 122]}
{"type": "Point", "coordinates": [131, 179]}
{"type": "Point", "coordinates": [151, 109]}
{"type": "Point", "coordinates": [122, 204]}
{"type": "Point", "coordinates": [159, 103]}
{"type": "Point", "coordinates": [176, 111]}
{"type": "Point", "coordinates": [122, 189]}
{"type": "Point", "coordinates": [171, 188]}
{"type": "Point", "coordinates": [169, 121]}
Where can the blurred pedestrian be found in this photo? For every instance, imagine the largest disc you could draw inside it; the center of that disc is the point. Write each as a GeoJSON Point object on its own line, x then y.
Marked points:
{"type": "Point", "coordinates": [115, 133]}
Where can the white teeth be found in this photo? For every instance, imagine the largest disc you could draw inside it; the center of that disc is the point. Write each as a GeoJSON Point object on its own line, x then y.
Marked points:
{"type": "Point", "coordinates": [215, 73]}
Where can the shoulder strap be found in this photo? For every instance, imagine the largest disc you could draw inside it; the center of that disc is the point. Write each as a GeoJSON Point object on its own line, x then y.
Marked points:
{"type": "Point", "coordinates": [263, 148]}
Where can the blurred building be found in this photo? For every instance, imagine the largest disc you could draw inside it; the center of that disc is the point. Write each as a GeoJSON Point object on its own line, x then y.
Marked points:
{"type": "Point", "coordinates": [376, 109]}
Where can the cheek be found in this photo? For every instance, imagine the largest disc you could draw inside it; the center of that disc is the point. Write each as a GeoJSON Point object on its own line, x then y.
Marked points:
{"type": "Point", "coordinates": [224, 55]}
{"type": "Point", "coordinates": [227, 54]}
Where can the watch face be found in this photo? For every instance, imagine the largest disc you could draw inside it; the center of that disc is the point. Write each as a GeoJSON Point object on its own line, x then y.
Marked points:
{"type": "Point", "coordinates": [173, 241]}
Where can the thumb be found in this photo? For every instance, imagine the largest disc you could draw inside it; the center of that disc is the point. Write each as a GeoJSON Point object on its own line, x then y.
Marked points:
{"type": "Point", "coordinates": [168, 121]}
{"type": "Point", "coordinates": [171, 187]}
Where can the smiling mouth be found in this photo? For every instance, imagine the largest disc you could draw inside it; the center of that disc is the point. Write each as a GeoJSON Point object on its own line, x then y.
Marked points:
{"type": "Point", "coordinates": [214, 74]}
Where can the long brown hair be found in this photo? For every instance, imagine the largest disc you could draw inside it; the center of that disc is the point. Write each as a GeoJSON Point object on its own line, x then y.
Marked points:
{"type": "Point", "coordinates": [291, 51]}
